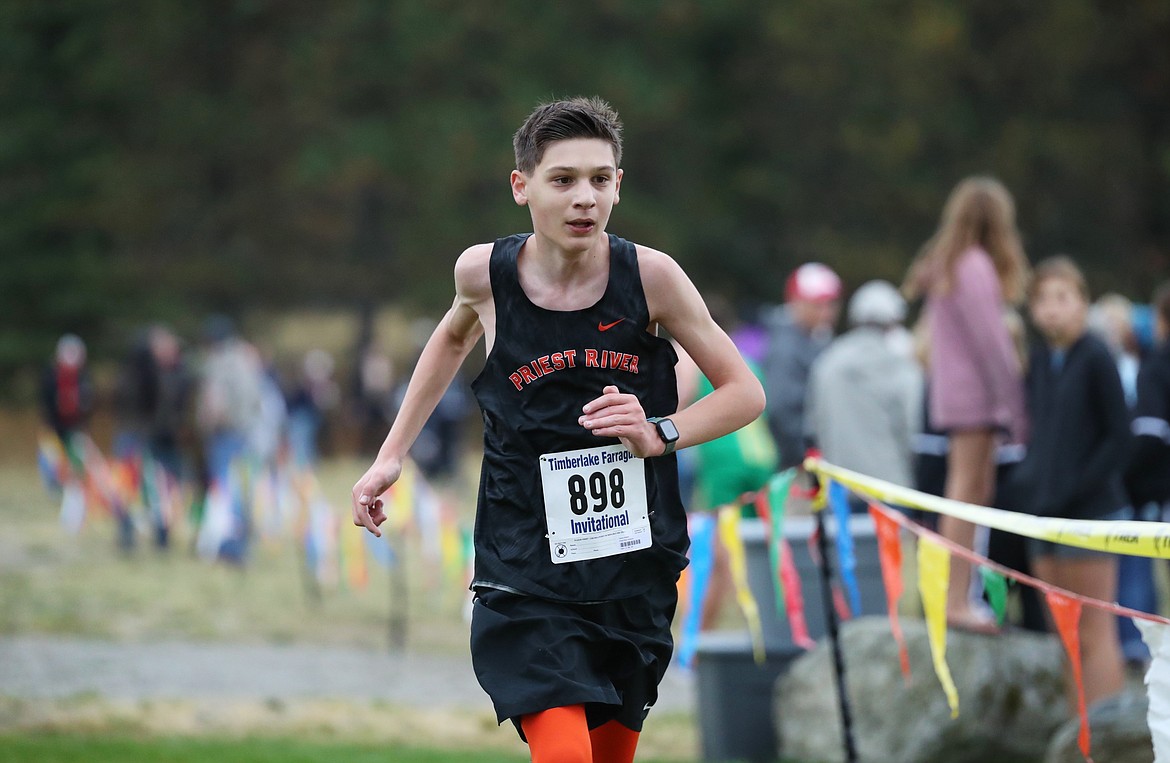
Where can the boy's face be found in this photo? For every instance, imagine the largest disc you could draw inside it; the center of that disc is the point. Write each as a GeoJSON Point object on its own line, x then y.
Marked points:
{"type": "Point", "coordinates": [1059, 310]}
{"type": "Point", "coordinates": [571, 193]}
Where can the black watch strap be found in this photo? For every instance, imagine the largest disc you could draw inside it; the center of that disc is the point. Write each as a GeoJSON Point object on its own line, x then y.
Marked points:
{"type": "Point", "coordinates": [667, 431]}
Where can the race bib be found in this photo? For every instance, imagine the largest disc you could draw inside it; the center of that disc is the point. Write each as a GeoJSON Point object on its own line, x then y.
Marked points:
{"type": "Point", "coordinates": [595, 503]}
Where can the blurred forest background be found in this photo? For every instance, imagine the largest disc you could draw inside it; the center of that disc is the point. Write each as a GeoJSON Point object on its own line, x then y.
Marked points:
{"type": "Point", "coordinates": [160, 159]}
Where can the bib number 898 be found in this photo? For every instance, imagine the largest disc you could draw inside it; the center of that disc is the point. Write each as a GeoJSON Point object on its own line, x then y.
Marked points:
{"type": "Point", "coordinates": [605, 490]}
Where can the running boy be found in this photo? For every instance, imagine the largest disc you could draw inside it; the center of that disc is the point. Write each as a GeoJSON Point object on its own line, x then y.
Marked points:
{"type": "Point", "coordinates": [580, 532]}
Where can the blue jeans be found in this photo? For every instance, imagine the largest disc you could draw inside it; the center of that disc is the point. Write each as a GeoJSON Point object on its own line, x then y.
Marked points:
{"type": "Point", "coordinates": [1136, 590]}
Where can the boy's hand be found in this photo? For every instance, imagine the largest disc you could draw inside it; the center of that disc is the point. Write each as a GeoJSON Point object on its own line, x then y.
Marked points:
{"type": "Point", "coordinates": [368, 509]}
{"type": "Point", "coordinates": [619, 415]}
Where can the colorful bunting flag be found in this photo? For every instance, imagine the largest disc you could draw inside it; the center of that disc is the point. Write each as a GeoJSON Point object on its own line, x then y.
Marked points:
{"type": "Point", "coordinates": [847, 560]}
{"type": "Point", "coordinates": [771, 509]}
{"type": "Point", "coordinates": [934, 572]}
{"type": "Point", "coordinates": [378, 548]}
{"type": "Point", "coordinates": [353, 559]}
{"type": "Point", "coordinates": [51, 461]}
{"type": "Point", "coordinates": [1066, 614]}
{"type": "Point", "coordinates": [729, 517]}
{"type": "Point", "coordinates": [702, 531]}
{"type": "Point", "coordinates": [890, 558]}
{"type": "Point", "coordinates": [995, 587]}
{"type": "Point", "coordinates": [794, 598]}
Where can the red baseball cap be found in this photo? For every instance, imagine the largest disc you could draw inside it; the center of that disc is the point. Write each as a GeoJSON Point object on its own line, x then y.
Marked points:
{"type": "Point", "coordinates": [813, 282]}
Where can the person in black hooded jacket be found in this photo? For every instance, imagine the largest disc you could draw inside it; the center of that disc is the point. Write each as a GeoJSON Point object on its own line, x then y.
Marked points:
{"type": "Point", "coordinates": [1077, 453]}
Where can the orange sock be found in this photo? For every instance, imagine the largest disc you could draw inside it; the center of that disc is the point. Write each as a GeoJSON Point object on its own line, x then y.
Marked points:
{"type": "Point", "coordinates": [613, 743]}
{"type": "Point", "coordinates": [558, 735]}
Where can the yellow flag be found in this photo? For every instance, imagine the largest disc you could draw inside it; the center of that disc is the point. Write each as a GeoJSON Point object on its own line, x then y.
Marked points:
{"type": "Point", "coordinates": [451, 548]}
{"type": "Point", "coordinates": [401, 499]}
{"type": "Point", "coordinates": [737, 561]}
{"type": "Point", "coordinates": [934, 571]}
{"type": "Point", "coordinates": [355, 568]}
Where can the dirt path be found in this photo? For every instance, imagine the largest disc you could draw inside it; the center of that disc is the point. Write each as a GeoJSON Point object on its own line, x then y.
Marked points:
{"type": "Point", "coordinates": [59, 684]}
{"type": "Point", "coordinates": [53, 667]}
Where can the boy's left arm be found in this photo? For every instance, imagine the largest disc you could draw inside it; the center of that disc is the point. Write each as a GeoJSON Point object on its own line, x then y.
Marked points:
{"type": "Point", "coordinates": [738, 399]}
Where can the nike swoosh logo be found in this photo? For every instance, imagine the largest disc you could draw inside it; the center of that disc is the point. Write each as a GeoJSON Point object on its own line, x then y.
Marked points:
{"type": "Point", "coordinates": [608, 326]}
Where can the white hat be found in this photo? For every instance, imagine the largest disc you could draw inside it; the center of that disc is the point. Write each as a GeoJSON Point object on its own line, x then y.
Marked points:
{"type": "Point", "coordinates": [877, 302]}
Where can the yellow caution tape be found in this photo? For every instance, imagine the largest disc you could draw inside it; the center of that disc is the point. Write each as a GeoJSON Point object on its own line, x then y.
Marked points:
{"type": "Point", "coordinates": [1129, 537]}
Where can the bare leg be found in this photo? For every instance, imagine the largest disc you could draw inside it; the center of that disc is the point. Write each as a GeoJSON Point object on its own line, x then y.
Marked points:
{"type": "Point", "coordinates": [1102, 666]}
{"type": "Point", "coordinates": [970, 478]}
{"type": "Point", "coordinates": [719, 587]}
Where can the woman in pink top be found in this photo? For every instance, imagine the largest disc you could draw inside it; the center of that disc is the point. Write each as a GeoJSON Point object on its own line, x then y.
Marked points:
{"type": "Point", "coordinates": [970, 272]}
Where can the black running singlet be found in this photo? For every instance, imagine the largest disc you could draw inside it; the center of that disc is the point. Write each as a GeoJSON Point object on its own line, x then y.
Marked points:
{"type": "Point", "coordinates": [543, 367]}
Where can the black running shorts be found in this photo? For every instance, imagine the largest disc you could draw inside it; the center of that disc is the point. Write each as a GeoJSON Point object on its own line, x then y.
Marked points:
{"type": "Point", "coordinates": [532, 654]}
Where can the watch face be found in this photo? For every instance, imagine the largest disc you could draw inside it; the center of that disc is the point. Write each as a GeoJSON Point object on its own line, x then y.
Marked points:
{"type": "Point", "coordinates": [668, 430]}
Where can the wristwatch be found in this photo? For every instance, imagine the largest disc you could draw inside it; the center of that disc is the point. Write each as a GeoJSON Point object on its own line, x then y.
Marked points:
{"type": "Point", "coordinates": [667, 431]}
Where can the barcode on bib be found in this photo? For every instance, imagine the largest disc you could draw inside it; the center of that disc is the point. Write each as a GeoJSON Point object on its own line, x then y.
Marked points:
{"type": "Point", "coordinates": [630, 543]}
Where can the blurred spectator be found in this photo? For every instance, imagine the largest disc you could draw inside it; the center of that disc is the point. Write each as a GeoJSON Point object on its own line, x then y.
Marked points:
{"type": "Point", "coordinates": [1078, 448]}
{"type": "Point", "coordinates": [436, 450]}
{"type": "Point", "coordinates": [67, 394]}
{"type": "Point", "coordinates": [797, 332]}
{"type": "Point", "coordinates": [230, 400]}
{"type": "Point", "coordinates": [930, 476]}
{"type": "Point", "coordinates": [864, 402]}
{"type": "Point", "coordinates": [1111, 320]}
{"type": "Point", "coordinates": [1147, 475]}
{"type": "Point", "coordinates": [268, 431]}
{"type": "Point", "coordinates": [967, 272]}
{"type": "Point", "coordinates": [1145, 327]}
{"type": "Point", "coordinates": [67, 402]}
{"type": "Point", "coordinates": [132, 398]}
{"type": "Point", "coordinates": [437, 447]}
{"type": "Point", "coordinates": [374, 395]}
{"type": "Point", "coordinates": [154, 389]}
{"type": "Point", "coordinates": [170, 401]}
{"type": "Point", "coordinates": [314, 395]}
{"type": "Point", "coordinates": [752, 340]}
{"type": "Point", "coordinates": [726, 468]}
{"type": "Point", "coordinates": [230, 394]}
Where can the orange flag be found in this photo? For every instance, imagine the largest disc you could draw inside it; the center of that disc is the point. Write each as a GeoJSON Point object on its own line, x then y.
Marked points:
{"type": "Point", "coordinates": [1066, 613]}
{"type": "Point", "coordinates": [890, 556]}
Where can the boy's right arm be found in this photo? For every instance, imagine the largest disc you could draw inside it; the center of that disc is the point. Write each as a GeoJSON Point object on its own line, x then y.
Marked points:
{"type": "Point", "coordinates": [452, 340]}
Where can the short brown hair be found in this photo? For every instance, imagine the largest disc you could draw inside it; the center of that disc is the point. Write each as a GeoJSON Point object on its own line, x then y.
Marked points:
{"type": "Point", "coordinates": [565, 120]}
{"type": "Point", "coordinates": [1062, 267]}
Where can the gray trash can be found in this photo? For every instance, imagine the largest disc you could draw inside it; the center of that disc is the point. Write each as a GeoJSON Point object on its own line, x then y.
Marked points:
{"type": "Point", "coordinates": [734, 697]}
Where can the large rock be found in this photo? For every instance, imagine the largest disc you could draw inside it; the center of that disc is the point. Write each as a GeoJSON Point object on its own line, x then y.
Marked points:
{"type": "Point", "coordinates": [1011, 698]}
{"type": "Point", "coordinates": [1120, 733]}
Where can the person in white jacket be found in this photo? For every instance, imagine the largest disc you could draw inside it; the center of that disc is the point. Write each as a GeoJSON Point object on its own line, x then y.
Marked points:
{"type": "Point", "coordinates": [864, 400]}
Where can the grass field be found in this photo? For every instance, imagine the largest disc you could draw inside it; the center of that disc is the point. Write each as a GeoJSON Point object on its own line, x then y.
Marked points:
{"type": "Point", "coordinates": [51, 582]}
{"type": "Point", "coordinates": [55, 583]}
{"type": "Point", "coordinates": [115, 749]}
